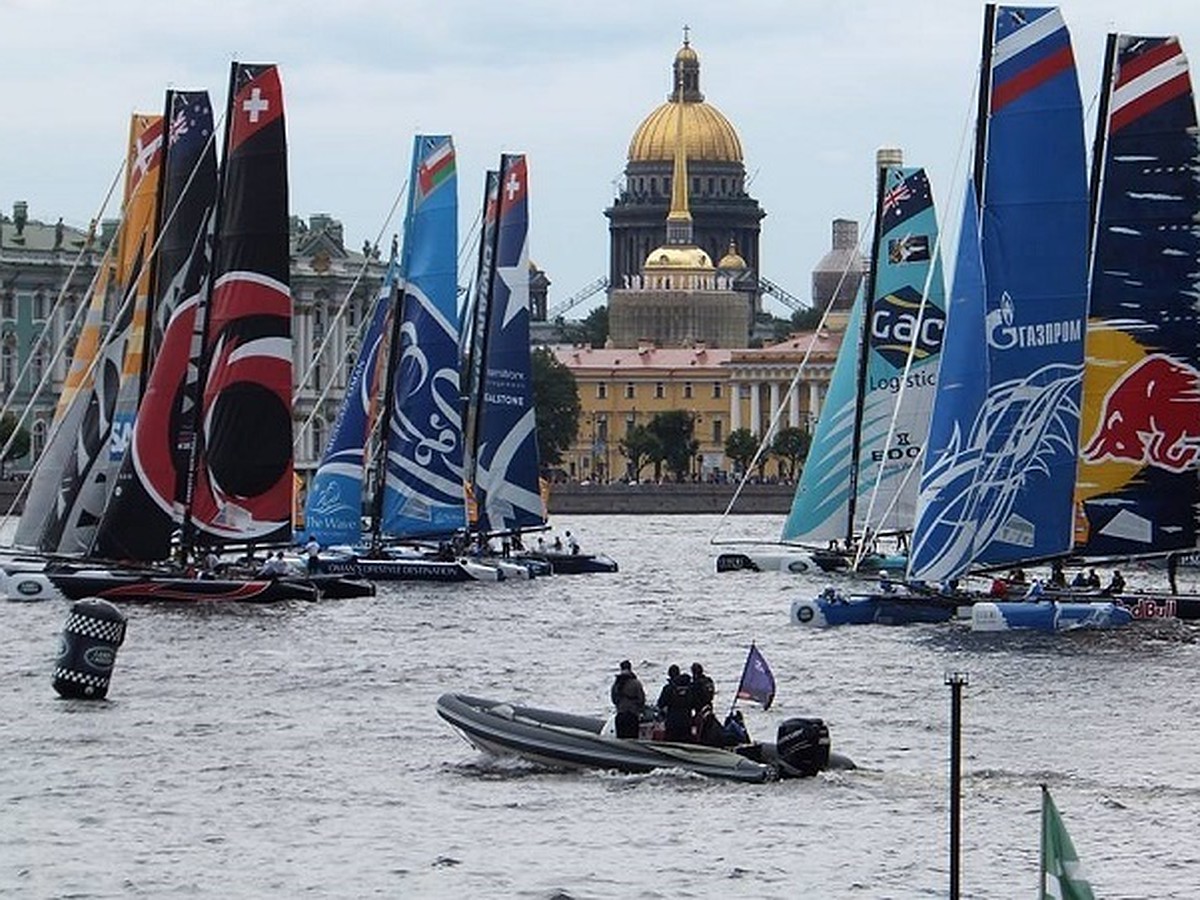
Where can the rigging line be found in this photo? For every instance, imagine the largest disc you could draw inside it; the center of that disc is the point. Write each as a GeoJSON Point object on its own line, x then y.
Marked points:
{"type": "Point", "coordinates": [89, 371]}
{"type": "Point", "coordinates": [793, 385]}
{"type": "Point", "coordinates": [40, 339]}
{"type": "Point", "coordinates": [315, 360]}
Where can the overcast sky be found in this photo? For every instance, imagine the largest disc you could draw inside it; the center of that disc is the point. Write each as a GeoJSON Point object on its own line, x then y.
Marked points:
{"type": "Point", "coordinates": [814, 88]}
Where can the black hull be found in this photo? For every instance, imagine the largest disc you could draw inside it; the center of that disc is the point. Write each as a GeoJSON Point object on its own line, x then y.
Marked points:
{"type": "Point", "coordinates": [577, 563]}
{"type": "Point", "coordinates": [119, 587]}
{"type": "Point", "coordinates": [399, 570]}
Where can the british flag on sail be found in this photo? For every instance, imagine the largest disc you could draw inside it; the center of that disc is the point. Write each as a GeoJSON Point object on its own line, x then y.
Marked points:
{"type": "Point", "coordinates": [506, 488]}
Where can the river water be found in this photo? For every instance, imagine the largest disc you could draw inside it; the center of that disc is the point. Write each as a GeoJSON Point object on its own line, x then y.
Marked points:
{"type": "Point", "coordinates": [294, 750]}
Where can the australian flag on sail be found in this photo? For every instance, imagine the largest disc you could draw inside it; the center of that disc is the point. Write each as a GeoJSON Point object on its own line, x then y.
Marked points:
{"type": "Point", "coordinates": [507, 476]}
{"type": "Point", "coordinates": [146, 504]}
{"type": "Point", "coordinates": [334, 505]}
{"type": "Point", "coordinates": [758, 683]}
{"type": "Point", "coordinates": [243, 485]}
{"type": "Point", "coordinates": [423, 491]}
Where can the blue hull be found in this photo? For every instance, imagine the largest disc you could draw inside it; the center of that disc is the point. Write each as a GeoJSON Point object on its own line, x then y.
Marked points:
{"type": "Point", "coordinates": [1049, 616]}
{"type": "Point", "coordinates": [872, 609]}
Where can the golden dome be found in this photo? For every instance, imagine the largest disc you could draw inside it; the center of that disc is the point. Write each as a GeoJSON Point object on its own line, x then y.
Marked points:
{"type": "Point", "coordinates": [707, 135]}
{"type": "Point", "coordinates": [687, 54]}
{"type": "Point", "coordinates": [732, 259]}
{"type": "Point", "coordinates": [667, 257]}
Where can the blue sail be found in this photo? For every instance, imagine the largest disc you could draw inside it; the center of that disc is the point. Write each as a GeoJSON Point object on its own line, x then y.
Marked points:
{"type": "Point", "coordinates": [506, 486]}
{"type": "Point", "coordinates": [1009, 473]}
{"type": "Point", "coordinates": [423, 492]}
{"type": "Point", "coordinates": [333, 508]}
{"type": "Point", "coordinates": [1137, 489]}
{"type": "Point", "coordinates": [820, 508]}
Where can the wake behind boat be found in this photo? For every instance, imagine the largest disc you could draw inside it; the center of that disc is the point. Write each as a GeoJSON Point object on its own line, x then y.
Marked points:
{"type": "Point", "coordinates": [568, 741]}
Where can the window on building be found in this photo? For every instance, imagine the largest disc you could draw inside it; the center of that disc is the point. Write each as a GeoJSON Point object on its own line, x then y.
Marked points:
{"type": "Point", "coordinates": [602, 390]}
{"type": "Point", "coordinates": [630, 421]}
{"type": "Point", "coordinates": [8, 363]}
{"type": "Point", "coordinates": [716, 390]}
{"type": "Point", "coordinates": [37, 438]}
{"type": "Point", "coordinates": [660, 390]}
{"type": "Point", "coordinates": [687, 390]}
{"type": "Point", "coordinates": [602, 429]}
{"type": "Point", "coordinates": [8, 305]}
{"type": "Point", "coordinates": [39, 306]}
{"type": "Point", "coordinates": [710, 184]}
{"type": "Point", "coordinates": [718, 433]}
{"type": "Point", "coordinates": [696, 186]}
{"type": "Point", "coordinates": [630, 392]}
{"type": "Point", "coordinates": [37, 367]}
{"type": "Point", "coordinates": [318, 436]}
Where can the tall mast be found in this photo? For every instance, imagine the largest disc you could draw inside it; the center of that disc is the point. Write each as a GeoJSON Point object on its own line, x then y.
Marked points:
{"type": "Point", "coordinates": [1100, 145]}
{"type": "Point", "coordinates": [985, 101]}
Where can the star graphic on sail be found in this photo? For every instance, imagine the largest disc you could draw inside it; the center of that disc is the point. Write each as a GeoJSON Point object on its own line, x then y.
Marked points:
{"type": "Point", "coordinates": [516, 279]}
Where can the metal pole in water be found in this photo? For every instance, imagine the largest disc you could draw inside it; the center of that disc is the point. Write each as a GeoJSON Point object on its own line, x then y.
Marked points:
{"type": "Point", "coordinates": [956, 680]}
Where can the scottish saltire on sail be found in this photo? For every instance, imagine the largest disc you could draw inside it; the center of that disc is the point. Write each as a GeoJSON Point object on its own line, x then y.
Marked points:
{"type": "Point", "coordinates": [79, 455]}
{"type": "Point", "coordinates": [506, 485]}
{"type": "Point", "coordinates": [242, 487]}
{"type": "Point", "coordinates": [423, 491]}
{"type": "Point", "coordinates": [1009, 472]}
{"type": "Point", "coordinates": [333, 505]}
{"type": "Point", "coordinates": [876, 389]}
{"type": "Point", "coordinates": [1137, 491]}
{"type": "Point", "coordinates": [146, 505]}
{"type": "Point", "coordinates": [1062, 876]}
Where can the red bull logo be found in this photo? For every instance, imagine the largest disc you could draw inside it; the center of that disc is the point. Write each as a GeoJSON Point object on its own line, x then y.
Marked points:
{"type": "Point", "coordinates": [1151, 416]}
{"type": "Point", "coordinates": [1150, 608]}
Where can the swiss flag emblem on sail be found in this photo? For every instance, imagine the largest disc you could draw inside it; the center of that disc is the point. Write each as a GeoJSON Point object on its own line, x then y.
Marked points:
{"type": "Point", "coordinates": [257, 102]}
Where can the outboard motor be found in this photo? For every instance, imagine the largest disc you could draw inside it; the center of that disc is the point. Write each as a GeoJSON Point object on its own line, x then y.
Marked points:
{"type": "Point", "coordinates": [802, 747]}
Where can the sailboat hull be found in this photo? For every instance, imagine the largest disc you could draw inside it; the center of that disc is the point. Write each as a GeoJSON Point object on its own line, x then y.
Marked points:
{"type": "Point", "coordinates": [871, 609]}
{"type": "Point", "coordinates": [134, 587]}
{"type": "Point", "coordinates": [1048, 616]}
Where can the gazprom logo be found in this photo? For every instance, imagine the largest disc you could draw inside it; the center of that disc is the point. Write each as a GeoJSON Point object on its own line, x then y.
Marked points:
{"type": "Point", "coordinates": [898, 324]}
{"type": "Point", "coordinates": [1004, 334]}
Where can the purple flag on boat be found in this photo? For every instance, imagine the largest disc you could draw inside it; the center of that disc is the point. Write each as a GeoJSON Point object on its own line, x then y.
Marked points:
{"type": "Point", "coordinates": [757, 683]}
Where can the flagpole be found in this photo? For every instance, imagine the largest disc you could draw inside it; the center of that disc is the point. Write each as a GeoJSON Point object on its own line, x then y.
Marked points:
{"type": "Point", "coordinates": [742, 680]}
{"type": "Point", "coordinates": [1042, 848]}
{"type": "Point", "coordinates": [955, 680]}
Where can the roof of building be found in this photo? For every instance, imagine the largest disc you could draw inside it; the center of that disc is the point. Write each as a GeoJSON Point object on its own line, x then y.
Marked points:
{"type": "Point", "coordinates": [644, 358]}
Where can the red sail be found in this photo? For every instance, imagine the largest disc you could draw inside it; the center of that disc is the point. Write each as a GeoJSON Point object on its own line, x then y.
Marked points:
{"type": "Point", "coordinates": [243, 482]}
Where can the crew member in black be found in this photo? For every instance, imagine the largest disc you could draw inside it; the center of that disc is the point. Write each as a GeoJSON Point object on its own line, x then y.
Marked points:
{"type": "Point", "coordinates": [675, 702]}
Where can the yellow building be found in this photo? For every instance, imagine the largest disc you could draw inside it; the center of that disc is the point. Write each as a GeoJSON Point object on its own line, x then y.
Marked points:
{"type": "Point", "coordinates": [724, 389]}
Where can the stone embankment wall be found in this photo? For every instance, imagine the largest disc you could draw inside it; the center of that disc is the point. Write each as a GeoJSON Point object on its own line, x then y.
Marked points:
{"type": "Point", "coordinates": [668, 499]}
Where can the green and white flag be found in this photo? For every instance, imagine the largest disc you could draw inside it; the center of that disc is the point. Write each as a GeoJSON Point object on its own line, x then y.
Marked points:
{"type": "Point", "coordinates": [1062, 875]}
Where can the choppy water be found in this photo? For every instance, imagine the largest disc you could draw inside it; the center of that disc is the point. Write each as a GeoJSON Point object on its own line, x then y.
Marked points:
{"type": "Point", "coordinates": [290, 750]}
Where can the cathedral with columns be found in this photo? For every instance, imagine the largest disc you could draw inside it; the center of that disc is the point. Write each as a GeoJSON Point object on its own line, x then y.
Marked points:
{"type": "Point", "coordinates": [679, 324]}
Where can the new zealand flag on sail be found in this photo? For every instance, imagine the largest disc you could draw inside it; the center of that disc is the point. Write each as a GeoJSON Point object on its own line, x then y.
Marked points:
{"type": "Point", "coordinates": [507, 477]}
{"type": "Point", "coordinates": [146, 502]}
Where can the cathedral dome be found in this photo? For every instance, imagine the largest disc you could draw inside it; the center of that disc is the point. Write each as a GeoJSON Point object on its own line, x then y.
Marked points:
{"type": "Point", "coordinates": [690, 258]}
{"type": "Point", "coordinates": [707, 134]}
{"type": "Point", "coordinates": [732, 259]}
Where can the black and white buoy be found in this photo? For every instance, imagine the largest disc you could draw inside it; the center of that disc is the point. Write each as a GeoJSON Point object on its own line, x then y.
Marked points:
{"type": "Point", "coordinates": [94, 630]}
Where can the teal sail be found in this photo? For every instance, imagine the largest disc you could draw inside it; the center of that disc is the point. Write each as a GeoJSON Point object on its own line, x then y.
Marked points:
{"type": "Point", "coordinates": [423, 491]}
{"type": "Point", "coordinates": [858, 478]}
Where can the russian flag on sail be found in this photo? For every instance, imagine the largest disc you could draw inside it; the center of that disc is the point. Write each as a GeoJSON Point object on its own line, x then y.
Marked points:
{"type": "Point", "coordinates": [1032, 47]}
{"type": "Point", "coordinates": [1152, 72]}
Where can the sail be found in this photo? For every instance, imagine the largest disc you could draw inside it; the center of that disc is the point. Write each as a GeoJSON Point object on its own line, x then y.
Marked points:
{"type": "Point", "coordinates": [334, 505]}
{"type": "Point", "coordinates": [907, 316]}
{"type": "Point", "coordinates": [820, 509]}
{"type": "Point", "coordinates": [865, 400]}
{"type": "Point", "coordinates": [506, 486]}
{"type": "Point", "coordinates": [242, 488]}
{"type": "Point", "coordinates": [91, 428]}
{"type": "Point", "coordinates": [1020, 446]}
{"type": "Point", "coordinates": [1137, 490]}
{"type": "Point", "coordinates": [146, 503]}
{"type": "Point", "coordinates": [423, 490]}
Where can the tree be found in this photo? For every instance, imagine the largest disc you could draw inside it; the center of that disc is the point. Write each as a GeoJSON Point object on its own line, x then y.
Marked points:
{"type": "Point", "coordinates": [806, 319]}
{"type": "Point", "coordinates": [791, 446]}
{"type": "Point", "coordinates": [592, 329]}
{"type": "Point", "coordinates": [675, 432]}
{"type": "Point", "coordinates": [20, 444]}
{"type": "Point", "coordinates": [641, 447]}
{"type": "Point", "coordinates": [556, 404]}
{"type": "Point", "coordinates": [740, 446]}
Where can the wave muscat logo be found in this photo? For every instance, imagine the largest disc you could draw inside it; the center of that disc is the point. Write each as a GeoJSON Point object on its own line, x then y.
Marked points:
{"type": "Point", "coordinates": [899, 325]}
{"type": "Point", "coordinates": [1004, 333]}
